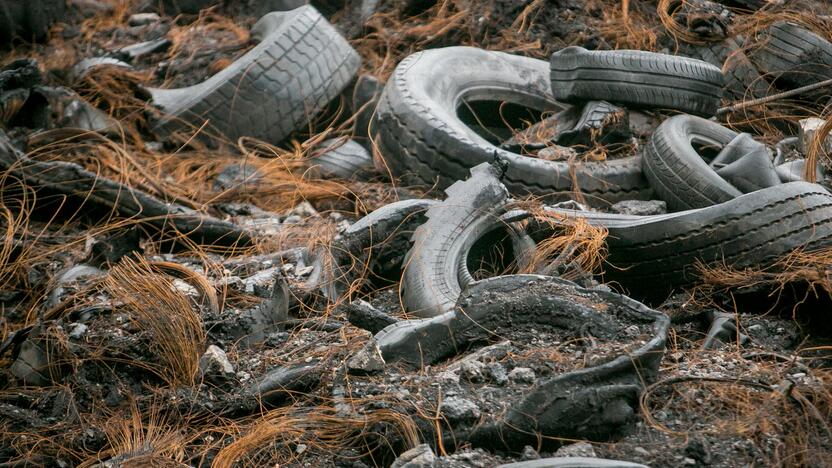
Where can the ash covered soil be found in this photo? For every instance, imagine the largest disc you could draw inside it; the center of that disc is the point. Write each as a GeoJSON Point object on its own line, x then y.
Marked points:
{"type": "Point", "coordinates": [125, 344]}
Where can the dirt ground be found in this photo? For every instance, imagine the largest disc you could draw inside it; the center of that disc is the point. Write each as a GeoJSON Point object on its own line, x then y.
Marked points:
{"type": "Point", "coordinates": [122, 315]}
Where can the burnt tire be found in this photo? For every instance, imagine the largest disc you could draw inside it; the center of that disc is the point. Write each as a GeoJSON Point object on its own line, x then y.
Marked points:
{"type": "Point", "coordinates": [675, 169]}
{"type": "Point", "coordinates": [299, 66]}
{"type": "Point", "coordinates": [425, 142]}
{"type": "Point", "coordinates": [742, 79]}
{"type": "Point", "coordinates": [636, 78]}
{"type": "Point", "coordinates": [371, 250]}
{"type": "Point", "coordinates": [651, 255]}
{"type": "Point", "coordinates": [794, 56]}
{"type": "Point", "coordinates": [436, 267]}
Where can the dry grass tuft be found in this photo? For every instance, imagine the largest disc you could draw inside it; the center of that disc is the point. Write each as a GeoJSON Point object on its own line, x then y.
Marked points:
{"type": "Point", "coordinates": [817, 153]}
{"type": "Point", "coordinates": [631, 27]}
{"type": "Point", "coordinates": [119, 92]}
{"type": "Point", "coordinates": [578, 247]}
{"type": "Point", "coordinates": [143, 438]}
{"type": "Point", "coordinates": [813, 269]}
{"type": "Point", "coordinates": [275, 436]}
{"type": "Point", "coordinates": [167, 317]}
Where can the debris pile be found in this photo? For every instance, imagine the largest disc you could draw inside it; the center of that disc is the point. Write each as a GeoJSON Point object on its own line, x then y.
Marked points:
{"type": "Point", "coordinates": [415, 233]}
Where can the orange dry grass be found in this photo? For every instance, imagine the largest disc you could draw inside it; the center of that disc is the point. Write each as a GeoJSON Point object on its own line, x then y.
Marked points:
{"type": "Point", "coordinates": [167, 316]}
{"type": "Point", "coordinates": [274, 436]}
{"type": "Point", "coordinates": [119, 92]}
{"type": "Point", "coordinates": [393, 35]}
{"type": "Point", "coordinates": [813, 269]}
{"type": "Point", "coordinates": [817, 153]}
{"type": "Point", "coordinates": [631, 27]}
{"type": "Point", "coordinates": [281, 179]}
{"type": "Point", "coordinates": [794, 415]}
{"type": "Point", "coordinates": [577, 243]}
{"type": "Point", "coordinates": [143, 439]}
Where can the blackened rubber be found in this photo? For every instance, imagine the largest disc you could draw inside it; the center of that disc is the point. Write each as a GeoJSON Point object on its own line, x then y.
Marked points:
{"type": "Point", "coordinates": [372, 248]}
{"type": "Point", "coordinates": [793, 55]}
{"type": "Point", "coordinates": [423, 140]}
{"type": "Point", "coordinates": [431, 281]}
{"type": "Point", "coordinates": [650, 255]}
{"type": "Point", "coordinates": [742, 79]}
{"type": "Point", "coordinates": [300, 64]}
{"type": "Point", "coordinates": [637, 79]}
{"type": "Point", "coordinates": [573, 404]}
{"type": "Point", "coordinates": [678, 173]}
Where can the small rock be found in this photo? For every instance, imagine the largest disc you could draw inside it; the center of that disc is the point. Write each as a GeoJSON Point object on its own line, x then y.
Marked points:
{"type": "Point", "coordinates": [155, 146]}
{"type": "Point", "coordinates": [497, 373]}
{"type": "Point", "coordinates": [214, 364]}
{"type": "Point", "coordinates": [557, 153]}
{"type": "Point", "coordinates": [689, 461]}
{"type": "Point", "coordinates": [529, 453]}
{"type": "Point", "coordinates": [306, 210]}
{"type": "Point", "coordinates": [641, 451]}
{"type": "Point", "coordinates": [640, 207]}
{"type": "Point", "coordinates": [472, 371]}
{"type": "Point", "coordinates": [238, 176]}
{"type": "Point", "coordinates": [304, 271]}
{"type": "Point", "coordinates": [581, 449]}
{"type": "Point", "coordinates": [78, 331]}
{"type": "Point", "coordinates": [420, 456]}
{"type": "Point", "coordinates": [366, 361]}
{"type": "Point", "coordinates": [757, 330]}
{"type": "Point", "coordinates": [457, 409]}
{"type": "Point", "coordinates": [522, 375]}
{"type": "Point", "coordinates": [142, 19]}
{"type": "Point", "coordinates": [300, 448]}
{"type": "Point", "coordinates": [632, 330]}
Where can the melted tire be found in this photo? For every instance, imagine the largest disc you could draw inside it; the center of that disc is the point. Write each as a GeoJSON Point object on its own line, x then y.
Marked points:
{"type": "Point", "coordinates": [793, 55]}
{"type": "Point", "coordinates": [742, 79]}
{"type": "Point", "coordinates": [637, 79]}
{"type": "Point", "coordinates": [651, 255]}
{"type": "Point", "coordinates": [425, 142]}
{"type": "Point", "coordinates": [299, 66]}
{"type": "Point", "coordinates": [677, 172]}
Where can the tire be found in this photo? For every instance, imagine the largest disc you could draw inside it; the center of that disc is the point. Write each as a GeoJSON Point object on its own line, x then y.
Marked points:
{"type": "Point", "coordinates": [300, 64]}
{"type": "Point", "coordinates": [637, 79]}
{"type": "Point", "coordinates": [677, 173]}
{"type": "Point", "coordinates": [28, 19]}
{"type": "Point", "coordinates": [793, 55]}
{"type": "Point", "coordinates": [742, 79]}
{"type": "Point", "coordinates": [571, 404]}
{"type": "Point", "coordinates": [373, 248]}
{"type": "Point", "coordinates": [345, 160]}
{"type": "Point", "coordinates": [424, 141]}
{"type": "Point", "coordinates": [436, 267]}
{"type": "Point", "coordinates": [651, 255]}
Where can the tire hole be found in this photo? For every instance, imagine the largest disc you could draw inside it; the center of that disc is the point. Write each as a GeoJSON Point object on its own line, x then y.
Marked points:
{"type": "Point", "coordinates": [497, 121]}
{"type": "Point", "coordinates": [492, 255]}
{"type": "Point", "coordinates": [707, 150]}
